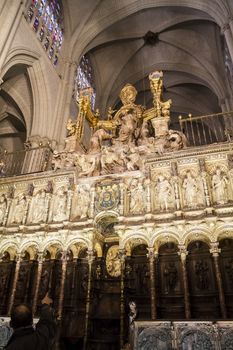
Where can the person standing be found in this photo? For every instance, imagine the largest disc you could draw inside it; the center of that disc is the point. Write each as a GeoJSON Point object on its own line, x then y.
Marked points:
{"type": "Point", "coordinates": [25, 336]}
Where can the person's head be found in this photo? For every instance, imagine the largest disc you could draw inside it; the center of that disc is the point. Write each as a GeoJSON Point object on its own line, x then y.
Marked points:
{"type": "Point", "coordinates": [21, 316]}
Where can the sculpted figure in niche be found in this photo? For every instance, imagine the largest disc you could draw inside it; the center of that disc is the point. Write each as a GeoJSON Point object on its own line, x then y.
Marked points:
{"type": "Point", "coordinates": [190, 190]}
{"type": "Point", "coordinates": [202, 275]}
{"type": "Point", "coordinates": [3, 207]}
{"type": "Point", "coordinates": [219, 185]}
{"type": "Point", "coordinates": [60, 205]}
{"type": "Point", "coordinates": [19, 209]}
{"type": "Point", "coordinates": [170, 277]}
{"type": "Point", "coordinates": [39, 207]}
{"type": "Point", "coordinates": [83, 201]}
{"type": "Point", "coordinates": [164, 191]}
{"type": "Point", "coordinates": [137, 195]}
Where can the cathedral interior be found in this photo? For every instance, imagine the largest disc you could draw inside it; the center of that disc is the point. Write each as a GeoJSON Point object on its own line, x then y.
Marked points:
{"type": "Point", "coordinates": [116, 170]}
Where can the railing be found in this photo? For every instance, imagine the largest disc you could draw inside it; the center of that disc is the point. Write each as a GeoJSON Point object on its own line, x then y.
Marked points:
{"type": "Point", "coordinates": [25, 162]}
{"type": "Point", "coordinates": [207, 129]}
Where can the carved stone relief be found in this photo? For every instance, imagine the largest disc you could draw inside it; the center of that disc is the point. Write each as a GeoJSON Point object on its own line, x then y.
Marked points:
{"type": "Point", "coordinates": [81, 202]}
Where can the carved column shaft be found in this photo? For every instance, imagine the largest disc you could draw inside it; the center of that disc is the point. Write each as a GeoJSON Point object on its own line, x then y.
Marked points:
{"type": "Point", "coordinates": [38, 278]}
{"type": "Point", "coordinates": [122, 196]}
{"type": "Point", "coordinates": [148, 196]}
{"type": "Point", "coordinates": [215, 253]}
{"type": "Point", "coordinates": [183, 254]}
{"type": "Point", "coordinates": [122, 299]}
{"type": "Point", "coordinates": [92, 205]}
{"type": "Point", "coordinates": [9, 202]}
{"type": "Point", "coordinates": [15, 280]}
{"type": "Point", "coordinates": [90, 262]}
{"type": "Point", "coordinates": [176, 191]}
{"type": "Point", "coordinates": [228, 36]}
{"type": "Point", "coordinates": [62, 286]}
{"type": "Point", "coordinates": [206, 190]}
{"type": "Point", "coordinates": [152, 257]}
{"type": "Point", "coordinates": [74, 263]}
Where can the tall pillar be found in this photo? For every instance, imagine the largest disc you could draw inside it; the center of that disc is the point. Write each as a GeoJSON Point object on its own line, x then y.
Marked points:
{"type": "Point", "coordinates": [229, 38]}
{"type": "Point", "coordinates": [183, 254]}
{"type": "Point", "coordinates": [215, 251]}
{"type": "Point", "coordinates": [152, 255]}
{"type": "Point", "coordinates": [90, 262]}
{"type": "Point", "coordinates": [38, 278]}
{"type": "Point", "coordinates": [15, 280]}
{"type": "Point", "coordinates": [10, 16]}
{"type": "Point", "coordinates": [62, 286]}
{"type": "Point", "coordinates": [122, 298]}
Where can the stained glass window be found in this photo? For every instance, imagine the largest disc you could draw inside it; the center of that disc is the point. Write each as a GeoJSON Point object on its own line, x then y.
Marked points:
{"type": "Point", "coordinates": [47, 21]}
{"type": "Point", "coordinates": [84, 78]}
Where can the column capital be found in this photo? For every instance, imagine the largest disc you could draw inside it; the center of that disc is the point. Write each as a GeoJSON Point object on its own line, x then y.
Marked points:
{"type": "Point", "coordinates": [183, 252]}
{"type": "Point", "coordinates": [90, 256]}
{"type": "Point", "coordinates": [18, 256]}
{"type": "Point", "coordinates": [152, 254]}
{"type": "Point", "coordinates": [214, 249]}
{"type": "Point", "coordinates": [40, 257]}
{"type": "Point", "coordinates": [122, 253]}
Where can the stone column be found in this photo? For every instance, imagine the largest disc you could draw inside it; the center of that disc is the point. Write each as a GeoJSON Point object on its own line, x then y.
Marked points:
{"type": "Point", "coordinates": [152, 255]}
{"type": "Point", "coordinates": [148, 195]}
{"type": "Point", "coordinates": [62, 286]}
{"type": "Point", "coordinates": [226, 30]}
{"type": "Point", "coordinates": [183, 254]}
{"type": "Point", "coordinates": [38, 278]}
{"type": "Point", "coordinates": [215, 251]}
{"type": "Point", "coordinates": [175, 181]}
{"type": "Point", "coordinates": [15, 280]}
{"type": "Point", "coordinates": [10, 16]}
{"type": "Point", "coordinates": [204, 181]}
{"type": "Point", "coordinates": [74, 265]}
{"type": "Point", "coordinates": [122, 299]}
{"type": "Point", "coordinates": [90, 262]}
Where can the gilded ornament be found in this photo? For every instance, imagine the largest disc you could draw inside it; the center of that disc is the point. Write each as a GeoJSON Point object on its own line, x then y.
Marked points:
{"type": "Point", "coordinates": [113, 262]}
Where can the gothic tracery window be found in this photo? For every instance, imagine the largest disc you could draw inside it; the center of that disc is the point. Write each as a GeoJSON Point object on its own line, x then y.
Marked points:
{"type": "Point", "coordinates": [84, 79]}
{"type": "Point", "coordinates": [47, 21]}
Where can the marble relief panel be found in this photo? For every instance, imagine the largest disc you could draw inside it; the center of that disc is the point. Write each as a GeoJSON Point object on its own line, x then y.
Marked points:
{"type": "Point", "coordinates": [162, 190]}
{"type": "Point", "coordinates": [220, 180]}
{"type": "Point", "coordinates": [80, 208]}
{"type": "Point", "coordinates": [191, 186]}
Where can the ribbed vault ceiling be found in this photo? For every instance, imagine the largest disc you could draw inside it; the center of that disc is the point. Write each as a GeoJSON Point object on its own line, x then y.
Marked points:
{"type": "Point", "coordinates": [183, 42]}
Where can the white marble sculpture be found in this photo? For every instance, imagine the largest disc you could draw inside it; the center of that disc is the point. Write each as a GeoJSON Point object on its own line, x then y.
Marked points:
{"type": "Point", "coordinates": [219, 186]}
{"type": "Point", "coordinates": [3, 207]}
{"type": "Point", "coordinates": [137, 196]}
{"type": "Point", "coordinates": [60, 205]}
{"type": "Point", "coordinates": [164, 192]}
{"type": "Point", "coordinates": [39, 207]}
{"type": "Point", "coordinates": [190, 188]}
